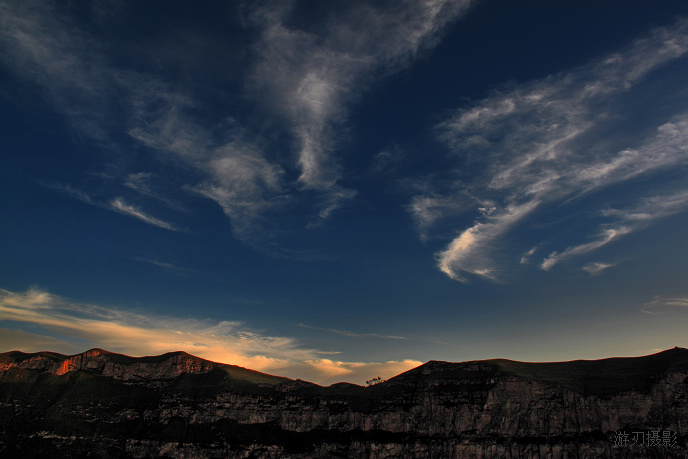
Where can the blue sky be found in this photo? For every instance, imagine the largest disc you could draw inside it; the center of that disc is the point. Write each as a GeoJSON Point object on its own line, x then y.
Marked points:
{"type": "Point", "coordinates": [340, 190]}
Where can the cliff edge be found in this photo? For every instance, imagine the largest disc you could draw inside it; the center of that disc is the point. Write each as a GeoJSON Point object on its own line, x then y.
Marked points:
{"type": "Point", "coordinates": [103, 404]}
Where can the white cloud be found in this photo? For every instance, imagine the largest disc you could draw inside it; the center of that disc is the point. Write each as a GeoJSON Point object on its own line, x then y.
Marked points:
{"type": "Point", "coordinates": [65, 61]}
{"type": "Point", "coordinates": [597, 267]}
{"type": "Point", "coordinates": [306, 79]}
{"type": "Point", "coordinates": [542, 143]}
{"type": "Point", "coordinates": [310, 77]}
{"type": "Point", "coordinates": [135, 333]}
{"type": "Point", "coordinates": [650, 208]}
{"type": "Point", "coordinates": [525, 258]}
{"type": "Point", "coordinates": [245, 185]}
{"type": "Point", "coordinates": [143, 334]}
{"type": "Point", "coordinates": [120, 206]}
{"type": "Point", "coordinates": [428, 209]}
{"type": "Point", "coordinates": [43, 46]}
{"type": "Point", "coordinates": [630, 219]}
{"type": "Point", "coordinates": [603, 239]}
{"type": "Point", "coordinates": [470, 251]}
{"type": "Point", "coordinates": [117, 204]}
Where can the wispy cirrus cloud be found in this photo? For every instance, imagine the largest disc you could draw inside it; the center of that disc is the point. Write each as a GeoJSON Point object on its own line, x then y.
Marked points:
{"type": "Point", "coordinates": [350, 333]}
{"type": "Point", "coordinates": [69, 190]}
{"type": "Point", "coordinates": [629, 219]}
{"type": "Point", "coordinates": [141, 182]}
{"type": "Point", "coordinates": [650, 208]}
{"type": "Point", "coordinates": [428, 209]}
{"type": "Point", "coordinates": [525, 258]}
{"type": "Point", "coordinates": [661, 305]}
{"type": "Point", "coordinates": [127, 209]}
{"type": "Point", "coordinates": [470, 252]}
{"type": "Point", "coordinates": [75, 325]}
{"type": "Point", "coordinates": [117, 204]}
{"type": "Point", "coordinates": [40, 44]}
{"type": "Point", "coordinates": [310, 77]}
{"type": "Point", "coordinates": [164, 265]}
{"type": "Point", "coordinates": [72, 66]}
{"type": "Point", "coordinates": [305, 77]}
{"type": "Point", "coordinates": [140, 333]}
{"type": "Point", "coordinates": [237, 174]}
{"type": "Point", "coordinates": [597, 267]}
{"type": "Point", "coordinates": [602, 239]}
{"type": "Point", "coordinates": [246, 186]}
{"type": "Point", "coordinates": [548, 142]}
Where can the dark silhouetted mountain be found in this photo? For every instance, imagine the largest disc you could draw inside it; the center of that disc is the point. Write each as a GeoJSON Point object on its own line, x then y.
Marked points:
{"type": "Point", "coordinates": [102, 404]}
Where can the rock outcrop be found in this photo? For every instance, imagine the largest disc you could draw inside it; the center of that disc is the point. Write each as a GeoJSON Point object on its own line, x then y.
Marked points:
{"type": "Point", "coordinates": [176, 405]}
{"type": "Point", "coordinates": [117, 366]}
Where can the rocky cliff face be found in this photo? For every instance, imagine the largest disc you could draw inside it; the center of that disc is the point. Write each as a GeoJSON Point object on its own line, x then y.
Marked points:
{"type": "Point", "coordinates": [177, 405]}
{"type": "Point", "coordinates": [115, 365]}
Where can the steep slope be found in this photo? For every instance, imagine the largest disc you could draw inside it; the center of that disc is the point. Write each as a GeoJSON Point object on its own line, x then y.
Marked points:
{"type": "Point", "coordinates": [109, 405]}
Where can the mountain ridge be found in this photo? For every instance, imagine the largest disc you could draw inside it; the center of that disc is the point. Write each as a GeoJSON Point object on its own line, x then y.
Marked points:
{"type": "Point", "coordinates": [100, 404]}
{"type": "Point", "coordinates": [188, 363]}
{"type": "Point", "coordinates": [595, 377]}
{"type": "Point", "coordinates": [121, 366]}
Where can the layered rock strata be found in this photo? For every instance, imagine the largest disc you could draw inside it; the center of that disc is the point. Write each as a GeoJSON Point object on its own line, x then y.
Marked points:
{"type": "Point", "coordinates": [177, 405]}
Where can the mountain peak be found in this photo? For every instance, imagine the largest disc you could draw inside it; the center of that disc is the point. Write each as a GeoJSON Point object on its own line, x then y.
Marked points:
{"type": "Point", "coordinates": [96, 351]}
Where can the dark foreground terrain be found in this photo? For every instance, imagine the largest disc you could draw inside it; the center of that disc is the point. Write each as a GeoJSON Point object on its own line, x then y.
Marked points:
{"type": "Point", "coordinates": [101, 404]}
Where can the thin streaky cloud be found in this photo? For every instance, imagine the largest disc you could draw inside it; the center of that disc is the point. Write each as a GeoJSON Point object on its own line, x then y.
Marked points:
{"type": "Point", "coordinates": [137, 334]}
{"type": "Point", "coordinates": [121, 206]}
{"type": "Point", "coordinates": [534, 146]}
{"type": "Point", "coordinates": [428, 209]}
{"type": "Point", "coordinates": [116, 204]}
{"type": "Point", "coordinates": [630, 219]}
{"type": "Point", "coordinates": [239, 178]}
{"type": "Point", "coordinates": [164, 265]}
{"type": "Point", "coordinates": [310, 79]}
{"type": "Point", "coordinates": [69, 190]}
{"type": "Point", "coordinates": [246, 185]}
{"type": "Point", "coordinates": [350, 333]}
{"type": "Point", "coordinates": [45, 46]}
{"type": "Point", "coordinates": [470, 252]}
{"type": "Point", "coordinates": [525, 258]}
{"type": "Point", "coordinates": [601, 240]}
{"type": "Point", "coordinates": [307, 80]}
{"type": "Point", "coordinates": [597, 267]}
{"type": "Point", "coordinates": [141, 183]}
{"type": "Point", "coordinates": [661, 305]}
{"type": "Point", "coordinates": [651, 208]}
